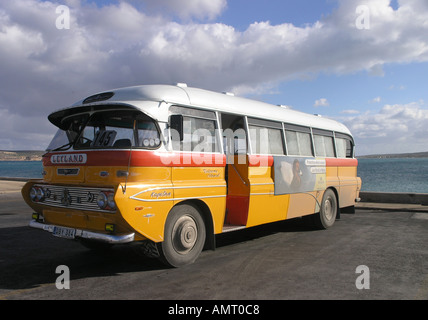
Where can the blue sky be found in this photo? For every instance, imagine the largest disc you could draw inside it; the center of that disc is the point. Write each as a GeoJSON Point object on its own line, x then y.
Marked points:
{"type": "Point", "coordinates": [308, 54]}
{"type": "Point", "coordinates": [242, 13]}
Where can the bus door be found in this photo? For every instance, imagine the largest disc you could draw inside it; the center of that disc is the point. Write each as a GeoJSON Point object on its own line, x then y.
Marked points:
{"type": "Point", "coordinates": [238, 186]}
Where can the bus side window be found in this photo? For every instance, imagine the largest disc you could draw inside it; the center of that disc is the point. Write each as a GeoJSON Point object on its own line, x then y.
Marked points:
{"type": "Point", "coordinates": [266, 140]}
{"type": "Point", "coordinates": [199, 135]}
{"type": "Point", "coordinates": [298, 143]}
{"type": "Point", "coordinates": [341, 147]}
{"type": "Point", "coordinates": [324, 146]}
{"type": "Point", "coordinates": [193, 130]}
{"type": "Point", "coordinates": [344, 147]}
{"type": "Point", "coordinates": [349, 149]}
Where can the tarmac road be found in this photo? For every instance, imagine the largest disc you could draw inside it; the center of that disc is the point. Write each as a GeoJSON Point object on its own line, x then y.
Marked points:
{"type": "Point", "coordinates": [286, 260]}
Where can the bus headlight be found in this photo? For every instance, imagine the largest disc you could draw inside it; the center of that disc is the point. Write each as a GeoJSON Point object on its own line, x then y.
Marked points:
{"type": "Point", "coordinates": [105, 201]}
{"type": "Point", "coordinates": [110, 201]}
{"type": "Point", "coordinates": [102, 200]}
{"type": "Point", "coordinates": [33, 194]}
{"type": "Point", "coordinates": [37, 194]}
{"type": "Point", "coordinates": [40, 194]}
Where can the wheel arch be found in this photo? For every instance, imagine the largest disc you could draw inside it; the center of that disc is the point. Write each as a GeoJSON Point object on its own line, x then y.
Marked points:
{"type": "Point", "coordinates": [205, 212]}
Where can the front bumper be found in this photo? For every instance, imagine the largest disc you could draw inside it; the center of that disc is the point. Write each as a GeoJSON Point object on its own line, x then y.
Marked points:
{"type": "Point", "coordinates": [107, 238]}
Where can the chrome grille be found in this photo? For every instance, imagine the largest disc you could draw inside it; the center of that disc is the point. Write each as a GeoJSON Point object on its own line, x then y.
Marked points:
{"type": "Point", "coordinates": [81, 198]}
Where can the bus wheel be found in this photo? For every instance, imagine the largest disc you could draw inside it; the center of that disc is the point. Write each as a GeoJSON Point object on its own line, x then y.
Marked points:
{"type": "Point", "coordinates": [184, 236]}
{"type": "Point", "coordinates": [327, 215]}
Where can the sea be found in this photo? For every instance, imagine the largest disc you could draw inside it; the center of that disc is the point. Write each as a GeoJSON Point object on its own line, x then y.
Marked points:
{"type": "Point", "coordinates": [21, 169]}
{"type": "Point", "coordinates": [409, 175]}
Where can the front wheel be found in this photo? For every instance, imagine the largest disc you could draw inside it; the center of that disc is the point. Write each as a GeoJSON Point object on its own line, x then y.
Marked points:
{"type": "Point", "coordinates": [328, 211]}
{"type": "Point", "coordinates": [184, 236]}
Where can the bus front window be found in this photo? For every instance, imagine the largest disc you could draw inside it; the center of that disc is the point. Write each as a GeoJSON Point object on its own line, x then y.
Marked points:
{"type": "Point", "coordinates": [118, 130]}
{"type": "Point", "coordinates": [106, 130]}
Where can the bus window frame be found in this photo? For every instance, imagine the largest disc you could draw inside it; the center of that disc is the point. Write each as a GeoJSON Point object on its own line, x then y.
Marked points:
{"type": "Point", "coordinates": [196, 113]}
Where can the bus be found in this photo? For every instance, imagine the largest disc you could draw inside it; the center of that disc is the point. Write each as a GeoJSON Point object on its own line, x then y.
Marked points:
{"type": "Point", "coordinates": [169, 167]}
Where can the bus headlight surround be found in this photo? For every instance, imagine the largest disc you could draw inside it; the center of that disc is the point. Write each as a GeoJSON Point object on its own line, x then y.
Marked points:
{"type": "Point", "coordinates": [105, 201]}
{"type": "Point", "coordinates": [37, 194]}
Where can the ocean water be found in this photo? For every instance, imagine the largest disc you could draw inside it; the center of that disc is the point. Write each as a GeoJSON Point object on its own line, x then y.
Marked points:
{"type": "Point", "coordinates": [382, 175]}
{"type": "Point", "coordinates": [21, 169]}
{"type": "Point", "coordinates": [394, 174]}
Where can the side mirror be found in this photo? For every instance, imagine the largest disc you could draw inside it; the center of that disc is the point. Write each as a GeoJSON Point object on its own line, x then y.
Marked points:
{"type": "Point", "coordinates": [176, 123]}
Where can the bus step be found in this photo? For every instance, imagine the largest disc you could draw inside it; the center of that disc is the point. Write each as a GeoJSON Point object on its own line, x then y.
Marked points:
{"type": "Point", "coordinates": [230, 227]}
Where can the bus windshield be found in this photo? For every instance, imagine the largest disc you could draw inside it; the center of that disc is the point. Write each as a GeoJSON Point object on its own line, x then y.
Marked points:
{"type": "Point", "coordinates": [107, 130]}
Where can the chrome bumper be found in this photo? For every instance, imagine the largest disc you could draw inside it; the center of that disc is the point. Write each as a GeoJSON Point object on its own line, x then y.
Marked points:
{"type": "Point", "coordinates": [107, 238]}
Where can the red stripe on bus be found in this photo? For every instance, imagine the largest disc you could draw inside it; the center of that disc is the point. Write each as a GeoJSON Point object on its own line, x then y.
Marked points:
{"type": "Point", "coordinates": [162, 159]}
{"type": "Point", "coordinates": [260, 161]}
{"type": "Point", "coordinates": [138, 159]}
{"type": "Point", "coordinates": [333, 162]}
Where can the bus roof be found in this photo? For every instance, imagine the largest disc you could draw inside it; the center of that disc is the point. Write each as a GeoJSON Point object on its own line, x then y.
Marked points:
{"type": "Point", "coordinates": [137, 97]}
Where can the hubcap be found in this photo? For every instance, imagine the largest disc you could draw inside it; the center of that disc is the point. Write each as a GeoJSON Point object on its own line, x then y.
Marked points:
{"type": "Point", "coordinates": [328, 209]}
{"type": "Point", "coordinates": [184, 234]}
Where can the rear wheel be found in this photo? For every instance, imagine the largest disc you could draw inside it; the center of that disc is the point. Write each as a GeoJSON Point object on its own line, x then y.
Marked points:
{"type": "Point", "coordinates": [328, 211]}
{"type": "Point", "coordinates": [184, 236]}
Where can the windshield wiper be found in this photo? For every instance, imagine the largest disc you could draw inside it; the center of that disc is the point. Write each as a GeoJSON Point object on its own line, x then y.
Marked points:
{"type": "Point", "coordinates": [64, 147]}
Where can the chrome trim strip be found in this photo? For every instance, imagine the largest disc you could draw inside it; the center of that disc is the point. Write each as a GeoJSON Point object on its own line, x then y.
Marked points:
{"type": "Point", "coordinates": [263, 194]}
{"type": "Point", "coordinates": [134, 197]}
{"type": "Point", "coordinates": [108, 238]}
{"type": "Point", "coordinates": [263, 184]}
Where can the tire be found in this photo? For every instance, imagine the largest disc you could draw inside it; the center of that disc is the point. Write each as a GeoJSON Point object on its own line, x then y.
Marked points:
{"type": "Point", "coordinates": [328, 211]}
{"type": "Point", "coordinates": [184, 236]}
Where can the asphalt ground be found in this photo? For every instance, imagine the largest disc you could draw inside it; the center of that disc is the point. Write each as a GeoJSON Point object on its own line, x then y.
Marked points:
{"type": "Point", "coordinates": [373, 254]}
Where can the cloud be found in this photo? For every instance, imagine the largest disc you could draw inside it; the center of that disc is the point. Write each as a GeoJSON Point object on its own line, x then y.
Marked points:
{"type": "Point", "coordinates": [376, 100]}
{"type": "Point", "coordinates": [350, 111]}
{"type": "Point", "coordinates": [133, 42]}
{"type": "Point", "coordinates": [323, 102]}
{"type": "Point", "coordinates": [400, 125]}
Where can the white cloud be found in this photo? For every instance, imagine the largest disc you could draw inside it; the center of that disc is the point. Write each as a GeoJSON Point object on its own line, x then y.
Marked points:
{"type": "Point", "coordinates": [403, 126]}
{"type": "Point", "coordinates": [376, 100]}
{"type": "Point", "coordinates": [323, 102]}
{"type": "Point", "coordinates": [350, 111]}
{"type": "Point", "coordinates": [122, 44]}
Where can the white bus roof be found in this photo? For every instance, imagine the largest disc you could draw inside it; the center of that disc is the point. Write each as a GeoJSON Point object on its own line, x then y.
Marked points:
{"type": "Point", "coordinates": [138, 96]}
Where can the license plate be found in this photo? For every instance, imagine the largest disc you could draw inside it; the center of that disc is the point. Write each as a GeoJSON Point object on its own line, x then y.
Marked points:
{"type": "Point", "coordinates": [64, 232]}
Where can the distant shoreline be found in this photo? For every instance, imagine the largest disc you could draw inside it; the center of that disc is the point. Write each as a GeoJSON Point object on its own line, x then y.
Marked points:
{"type": "Point", "coordinates": [395, 155]}
{"type": "Point", "coordinates": [25, 155]}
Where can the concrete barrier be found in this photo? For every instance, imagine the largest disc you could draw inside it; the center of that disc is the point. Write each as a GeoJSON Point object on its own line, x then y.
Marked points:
{"type": "Point", "coordinates": [394, 197]}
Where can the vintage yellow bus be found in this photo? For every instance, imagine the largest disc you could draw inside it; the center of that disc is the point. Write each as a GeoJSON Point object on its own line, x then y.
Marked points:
{"type": "Point", "coordinates": [168, 167]}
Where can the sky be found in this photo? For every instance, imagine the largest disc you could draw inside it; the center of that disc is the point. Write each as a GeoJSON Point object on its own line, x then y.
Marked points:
{"type": "Point", "coordinates": [363, 63]}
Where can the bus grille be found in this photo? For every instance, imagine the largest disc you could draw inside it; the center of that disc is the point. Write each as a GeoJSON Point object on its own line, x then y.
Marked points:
{"type": "Point", "coordinates": [80, 198]}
